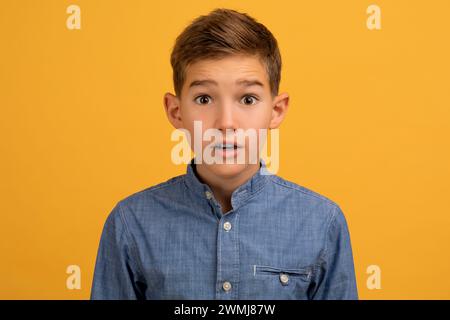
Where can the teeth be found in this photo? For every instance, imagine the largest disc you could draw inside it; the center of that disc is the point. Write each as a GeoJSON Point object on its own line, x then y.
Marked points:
{"type": "Point", "coordinates": [228, 146]}
{"type": "Point", "coordinates": [225, 146]}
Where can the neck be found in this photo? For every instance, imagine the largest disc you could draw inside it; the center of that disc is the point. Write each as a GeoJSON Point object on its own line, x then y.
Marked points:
{"type": "Point", "coordinates": [223, 187]}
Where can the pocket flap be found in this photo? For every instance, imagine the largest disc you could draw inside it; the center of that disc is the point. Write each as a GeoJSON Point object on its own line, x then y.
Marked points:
{"type": "Point", "coordinates": [304, 272]}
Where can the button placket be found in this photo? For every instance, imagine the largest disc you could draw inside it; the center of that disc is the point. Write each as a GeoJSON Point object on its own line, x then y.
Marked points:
{"type": "Point", "coordinates": [228, 257]}
{"type": "Point", "coordinates": [214, 204]}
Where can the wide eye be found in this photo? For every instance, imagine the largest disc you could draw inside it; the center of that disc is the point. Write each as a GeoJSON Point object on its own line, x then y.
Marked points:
{"type": "Point", "coordinates": [203, 99]}
{"type": "Point", "coordinates": [249, 100]}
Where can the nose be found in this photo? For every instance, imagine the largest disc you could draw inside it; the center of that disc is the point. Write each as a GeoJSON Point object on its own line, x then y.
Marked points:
{"type": "Point", "coordinates": [225, 118]}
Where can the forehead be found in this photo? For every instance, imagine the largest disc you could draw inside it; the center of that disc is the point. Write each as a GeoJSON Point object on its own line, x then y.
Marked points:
{"type": "Point", "coordinates": [239, 69]}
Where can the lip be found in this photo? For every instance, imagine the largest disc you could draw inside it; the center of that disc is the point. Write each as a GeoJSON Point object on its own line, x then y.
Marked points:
{"type": "Point", "coordinates": [227, 153]}
{"type": "Point", "coordinates": [229, 142]}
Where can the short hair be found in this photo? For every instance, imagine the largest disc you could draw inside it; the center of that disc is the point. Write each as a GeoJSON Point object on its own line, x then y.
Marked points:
{"type": "Point", "coordinates": [221, 33]}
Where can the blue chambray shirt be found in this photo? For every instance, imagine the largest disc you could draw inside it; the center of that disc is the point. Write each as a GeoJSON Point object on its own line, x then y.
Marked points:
{"type": "Point", "coordinates": [171, 241]}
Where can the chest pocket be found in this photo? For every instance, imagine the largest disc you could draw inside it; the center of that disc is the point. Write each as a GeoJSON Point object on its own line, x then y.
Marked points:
{"type": "Point", "coordinates": [283, 283]}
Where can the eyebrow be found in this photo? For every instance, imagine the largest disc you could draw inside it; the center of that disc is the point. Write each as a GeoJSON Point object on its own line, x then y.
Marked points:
{"type": "Point", "coordinates": [241, 82]}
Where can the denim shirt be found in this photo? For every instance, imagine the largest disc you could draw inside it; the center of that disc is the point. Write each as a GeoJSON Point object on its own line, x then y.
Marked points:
{"type": "Point", "coordinates": [171, 241]}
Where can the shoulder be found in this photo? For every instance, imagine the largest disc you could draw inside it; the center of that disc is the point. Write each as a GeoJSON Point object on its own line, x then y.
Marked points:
{"type": "Point", "coordinates": [306, 199]}
{"type": "Point", "coordinates": [301, 191]}
{"type": "Point", "coordinates": [313, 208]}
{"type": "Point", "coordinates": [162, 189]}
{"type": "Point", "coordinates": [141, 203]}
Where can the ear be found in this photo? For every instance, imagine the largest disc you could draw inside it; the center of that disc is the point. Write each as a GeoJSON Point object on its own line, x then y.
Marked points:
{"type": "Point", "coordinates": [279, 109]}
{"type": "Point", "coordinates": [172, 108]}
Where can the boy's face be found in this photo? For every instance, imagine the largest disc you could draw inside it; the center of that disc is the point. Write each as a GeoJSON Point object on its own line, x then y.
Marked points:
{"type": "Point", "coordinates": [228, 93]}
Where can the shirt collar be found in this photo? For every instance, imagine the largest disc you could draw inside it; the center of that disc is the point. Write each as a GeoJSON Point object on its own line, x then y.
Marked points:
{"type": "Point", "coordinates": [239, 196]}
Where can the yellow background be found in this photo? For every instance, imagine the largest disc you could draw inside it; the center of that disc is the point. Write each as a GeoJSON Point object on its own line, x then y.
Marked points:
{"type": "Point", "coordinates": [82, 126]}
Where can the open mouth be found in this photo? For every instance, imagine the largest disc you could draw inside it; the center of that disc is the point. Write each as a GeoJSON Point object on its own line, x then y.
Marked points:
{"type": "Point", "coordinates": [227, 146]}
{"type": "Point", "coordinates": [227, 150]}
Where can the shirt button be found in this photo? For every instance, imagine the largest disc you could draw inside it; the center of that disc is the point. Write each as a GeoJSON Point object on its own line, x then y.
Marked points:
{"type": "Point", "coordinates": [208, 194]}
{"type": "Point", "coordinates": [226, 286]}
{"type": "Point", "coordinates": [284, 278]}
{"type": "Point", "coordinates": [227, 226]}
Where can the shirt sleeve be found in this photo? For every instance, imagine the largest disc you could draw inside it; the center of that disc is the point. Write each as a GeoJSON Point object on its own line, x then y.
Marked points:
{"type": "Point", "coordinates": [336, 273]}
{"type": "Point", "coordinates": [116, 275]}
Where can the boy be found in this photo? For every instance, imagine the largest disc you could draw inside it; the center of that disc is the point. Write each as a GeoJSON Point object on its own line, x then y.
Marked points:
{"type": "Point", "coordinates": [225, 231]}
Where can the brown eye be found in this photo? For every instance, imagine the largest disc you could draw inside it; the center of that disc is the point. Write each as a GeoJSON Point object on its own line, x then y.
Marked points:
{"type": "Point", "coordinates": [249, 100]}
{"type": "Point", "coordinates": [204, 99]}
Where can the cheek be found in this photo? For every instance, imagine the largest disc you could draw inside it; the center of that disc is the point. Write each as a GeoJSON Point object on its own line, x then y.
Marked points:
{"type": "Point", "coordinates": [258, 117]}
{"type": "Point", "coordinates": [191, 113]}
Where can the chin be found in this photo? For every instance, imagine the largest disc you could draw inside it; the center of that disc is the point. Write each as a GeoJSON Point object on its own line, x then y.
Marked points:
{"type": "Point", "coordinates": [227, 170]}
